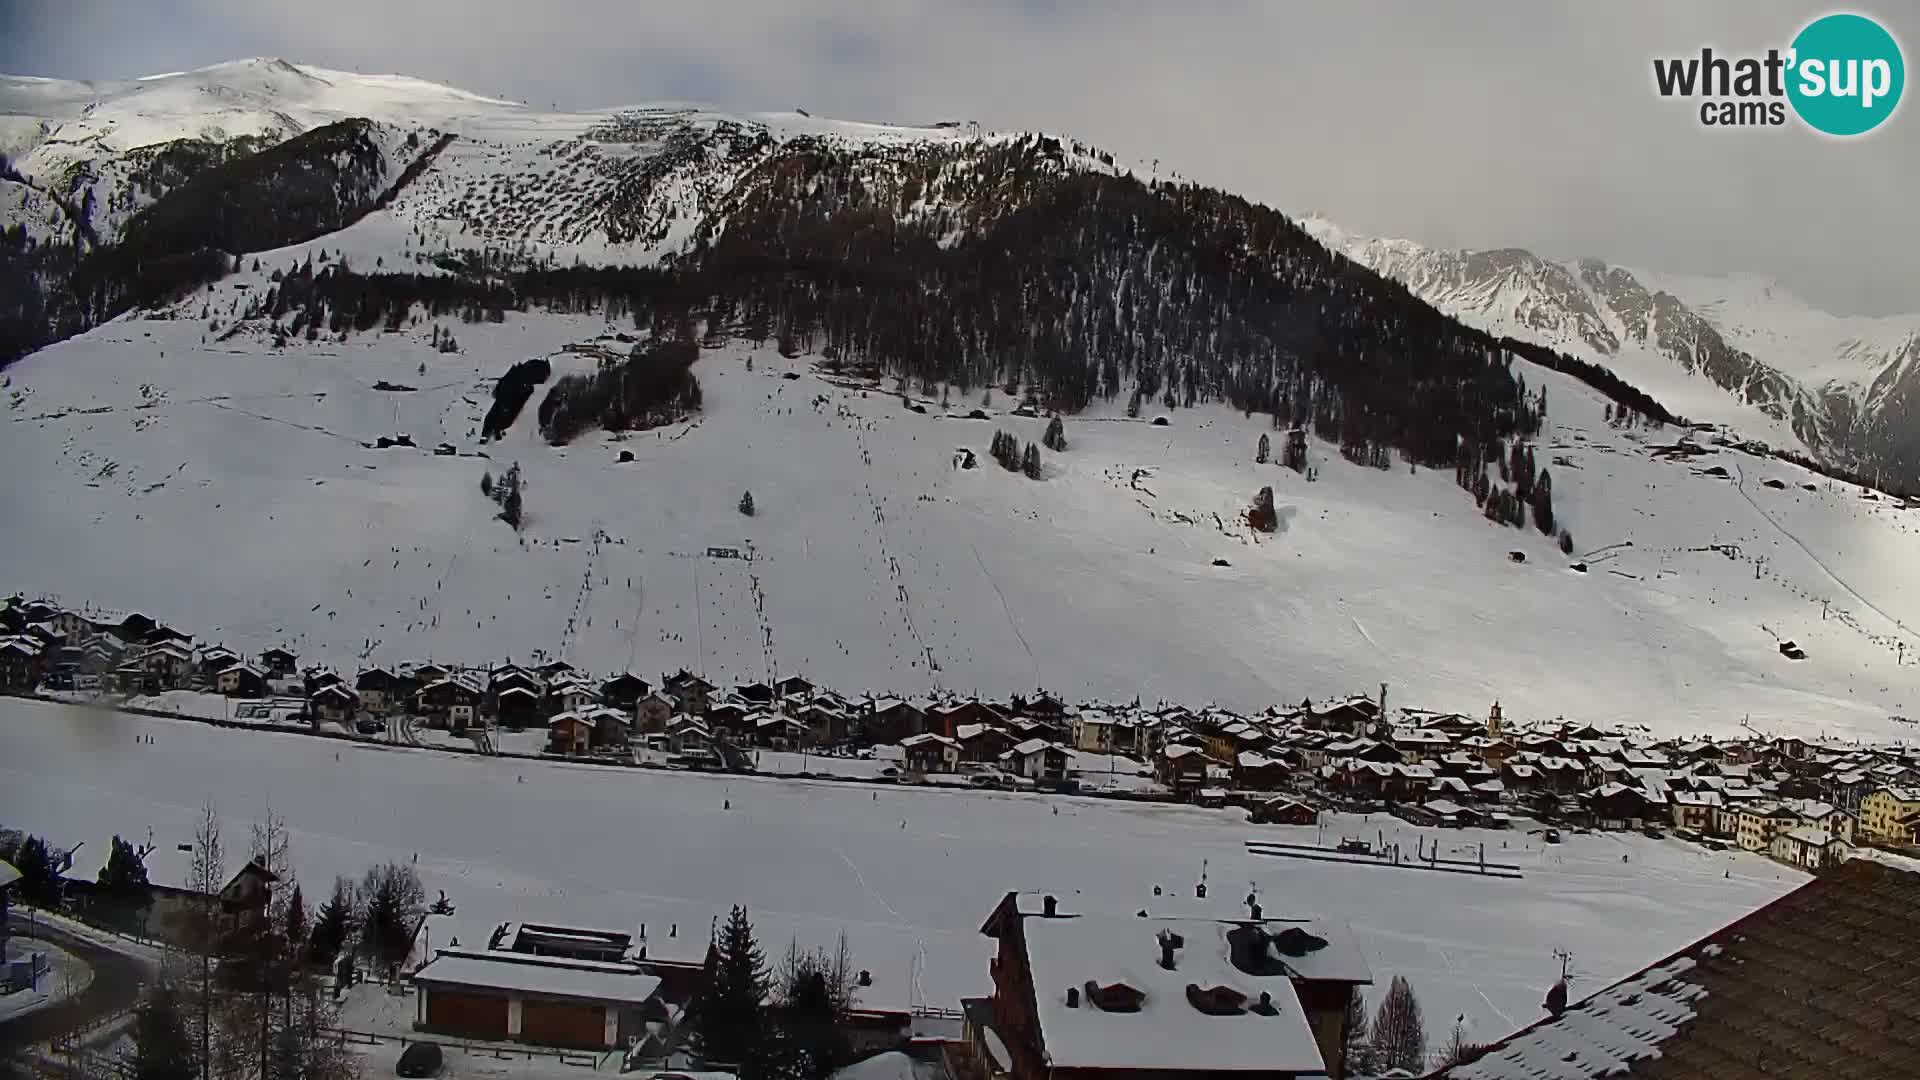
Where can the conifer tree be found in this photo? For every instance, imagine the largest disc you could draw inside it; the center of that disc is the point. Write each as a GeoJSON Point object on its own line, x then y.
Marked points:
{"type": "Point", "coordinates": [1399, 1038]}
{"type": "Point", "coordinates": [730, 1006]}
{"type": "Point", "coordinates": [162, 1049]}
{"type": "Point", "coordinates": [1265, 448]}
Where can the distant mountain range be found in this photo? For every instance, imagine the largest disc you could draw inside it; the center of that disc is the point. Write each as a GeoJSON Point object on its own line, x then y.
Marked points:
{"type": "Point", "coordinates": [1739, 351]}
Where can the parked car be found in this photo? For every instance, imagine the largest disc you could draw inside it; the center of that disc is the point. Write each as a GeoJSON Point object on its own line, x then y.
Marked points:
{"type": "Point", "coordinates": [370, 726]}
{"type": "Point", "coordinates": [1551, 836]}
{"type": "Point", "coordinates": [1653, 833]}
{"type": "Point", "coordinates": [420, 1059]}
{"type": "Point", "coordinates": [1353, 846]}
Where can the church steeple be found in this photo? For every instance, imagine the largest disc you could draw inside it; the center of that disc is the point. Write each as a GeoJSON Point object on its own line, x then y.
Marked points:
{"type": "Point", "coordinates": [1495, 723]}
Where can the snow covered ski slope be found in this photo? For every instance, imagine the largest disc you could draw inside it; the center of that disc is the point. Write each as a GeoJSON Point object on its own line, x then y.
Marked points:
{"type": "Point", "coordinates": [234, 490]}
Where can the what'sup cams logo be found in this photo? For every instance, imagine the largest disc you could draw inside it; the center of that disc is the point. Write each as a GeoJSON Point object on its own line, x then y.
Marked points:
{"type": "Point", "coordinates": [1842, 75]}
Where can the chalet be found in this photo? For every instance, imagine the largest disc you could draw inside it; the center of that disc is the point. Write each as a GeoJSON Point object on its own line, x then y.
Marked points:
{"type": "Point", "coordinates": [1808, 848]}
{"type": "Point", "coordinates": [754, 693]}
{"type": "Point", "coordinates": [1798, 990]}
{"type": "Point", "coordinates": [982, 744]}
{"type": "Point", "coordinates": [611, 728]}
{"type": "Point", "coordinates": [1254, 771]}
{"type": "Point", "coordinates": [316, 677]}
{"type": "Point", "coordinates": [571, 696]}
{"type": "Point", "coordinates": [930, 753]}
{"type": "Point", "coordinates": [1617, 806]}
{"type": "Point", "coordinates": [777, 731]}
{"type": "Point", "coordinates": [1096, 997]}
{"type": "Point", "coordinates": [241, 681]}
{"type": "Point", "coordinates": [161, 634]}
{"type": "Point", "coordinates": [686, 735]}
{"type": "Point", "coordinates": [793, 686]}
{"type": "Point", "coordinates": [731, 718]}
{"type": "Point", "coordinates": [517, 708]}
{"type": "Point", "coordinates": [169, 662]}
{"type": "Point", "coordinates": [624, 691]}
{"type": "Point", "coordinates": [1847, 788]}
{"type": "Point", "coordinates": [652, 712]}
{"type": "Point", "coordinates": [1181, 767]}
{"type": "Point", "coordinates": [1443, 813]}
{"type": "Point", "coordinates": [448, 702]}
{"type": "Point", "coordinates": [1037, 760]}
{"type": "Point", "coordinates": [552, 670]}
{"type": "Point", "coordinates": [569, 733]}
{"type": "Point", "coordinates": [826, 726]}
{"type": "Point", "coordinates": [689, 691]}
{"type": "Point", "coordinates": [73, 626]}
{"type": "Point", "coordinates": [1418, 744]}
{"type": "Point", "coordinates": [947, 718]}
{"type": "Point", "coordinates": [333, 704]}
{"type": "Point", "coordinates": [502, 679]}
{"type": "Point", "coordinates": [499, 995]}
{"type": "Point", "coordinates": [245, 897]}
{"type": "Point", "coordinates": [216, 659]}
{"type": "Point", "coordinates": [1354, 716]}
{"type": "Point", "coordinates": [889, 720]}
{"type": "Point", "coordinates": [1043, 707]}
{"type": "Point", "coordinates": [1281, 810]}
{"type": "Point", "coordinates": [22, 660]}
{"type": "Point", "coordinates": [279, 662]}
{"type": "Point", "coordinates": [1891, 815]}
{"type": "Point", "coordinates": [376, 689]}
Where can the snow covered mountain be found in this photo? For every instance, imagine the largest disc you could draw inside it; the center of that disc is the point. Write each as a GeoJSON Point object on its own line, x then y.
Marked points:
{"type": "Point", "coordinates": [1739, 351]}
{"type": "Point", "coordinates": [250, 327]}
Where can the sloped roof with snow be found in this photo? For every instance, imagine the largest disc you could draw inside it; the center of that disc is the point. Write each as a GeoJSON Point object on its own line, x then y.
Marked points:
{"type": "Point", "coordinates": [1166, 1032]}
{"type": "Point", "coordinates": [540, 976]}
{"type": "Point", "coordinates": [1818, 984]}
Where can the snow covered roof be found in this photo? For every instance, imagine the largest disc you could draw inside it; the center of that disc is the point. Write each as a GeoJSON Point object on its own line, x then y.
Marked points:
{"type": "Point", "coordinates": [1782, 992]}
{"type": "Point", "coordinates": [539, 975]}
{"type": "Point", "coordinates": [1810, 836]}
{"type": "Point", "coordinates": [1165, 1030]}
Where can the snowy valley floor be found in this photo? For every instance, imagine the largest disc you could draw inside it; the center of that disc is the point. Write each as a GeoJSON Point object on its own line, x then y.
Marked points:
{"type": "Point", "coordinates": [907, 874]}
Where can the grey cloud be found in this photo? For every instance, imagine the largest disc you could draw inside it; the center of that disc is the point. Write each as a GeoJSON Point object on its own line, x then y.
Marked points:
{"type": "Point", "coordinates": [1462, 124]}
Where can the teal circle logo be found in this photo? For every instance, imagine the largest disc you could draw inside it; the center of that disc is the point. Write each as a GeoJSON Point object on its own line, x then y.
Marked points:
{"type": "Point", "coordinates": [1846, 74]}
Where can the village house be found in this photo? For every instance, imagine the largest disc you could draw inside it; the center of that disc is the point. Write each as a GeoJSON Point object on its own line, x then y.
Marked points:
{"type": "Point", "coordinates": [652, 712]}
{"type": "Point", "coordinates": [1181, 768]}
{"type": "Point", "coordinates": [449, 702]}
{"type": "Point", "coordinates": [1759, 823]}
{"type": "Point", "coordinates": [983, 744]}
{"type": "Point", "coordinates": [930, 753]}
{"type": "Point", "coordinates": [375, 686]}
{"type": "Point", "coordinates": [215, 659]}
{"type": "Point", "coordinates": [1254, 771]}
{"type": "Point", "coordinates": [21, 663]}
{"type": "Point", "coordinates": [333, 704]}
{"type": "Point", "coordinates": [554, 670]}
{"type": "Point", "coordinates": [1618, 806]}
{"type": "Point", "coordinates": [826, 725]}
{"type": "Point", "coordinates": [169, 662]}
{"type": "Point", "coordinates": [624, 691]}
{"type": "Point", "coordinates": [687, 735]}
{"type": "Point", "coordinates": [241, 681]}
{"type": "Point", "coordinates": [244, 898]}
{"type": "Point", "coordinates": [571, 695]}
{"type": "Point", "coordinates": [778, 731]}
{"type": "Point", "coordinates": [1099, 997]}
{"type": "Point", "coordinates": [1693, 809]}
{"type": "Point", "coordinates": [517, 708]}
{"type": "Point", "coordinates": [1891, 815]}
{"type": "Point", "coordinates": [689, 691]}
{"type": "Point", "coordinates": [889, 720]}
{"type": "Point", "coordinates": [569, 733]}
{"type": "Point", "coordinates": [1808, 847]}
{"type": "Point", "coordinates": [1038, 760]}
{"type": "Point", "coordinates": [74, 626]}
{"type": "Point", "coordinates": [611, 728]}
{"type": "Point", "coordinates": [279, 663]}
{"type": "Point", "coordinates": [502, 995]}
{"type": "Point", "coordinates": [1093, 731]}
{"type": "Point", "coordinates": [792, 686]}
{"type": "Point", "coordinates": [1282, 810]}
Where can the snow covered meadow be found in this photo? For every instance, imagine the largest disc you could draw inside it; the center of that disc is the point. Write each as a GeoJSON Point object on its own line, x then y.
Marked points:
{"type": "Point", "coordinates": [234, 490]}
{"type": "Point", "coordinates": [908, 874]}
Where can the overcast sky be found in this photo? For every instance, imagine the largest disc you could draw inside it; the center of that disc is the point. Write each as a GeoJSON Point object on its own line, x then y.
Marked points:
{"type": "Point", "coordinates": [1458, 124]}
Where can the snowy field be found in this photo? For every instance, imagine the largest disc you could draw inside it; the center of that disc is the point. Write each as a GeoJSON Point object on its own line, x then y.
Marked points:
{"type": "Point", "coordinates": [232, 490]}
{"type": "Point", "coordinates": [907, 874]}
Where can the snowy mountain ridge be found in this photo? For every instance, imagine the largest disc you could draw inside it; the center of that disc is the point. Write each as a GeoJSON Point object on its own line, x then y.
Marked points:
{"type": "Point", "coordinates": [271, 390]}
{"type": "Point", "coordinates": [1738, 351]}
